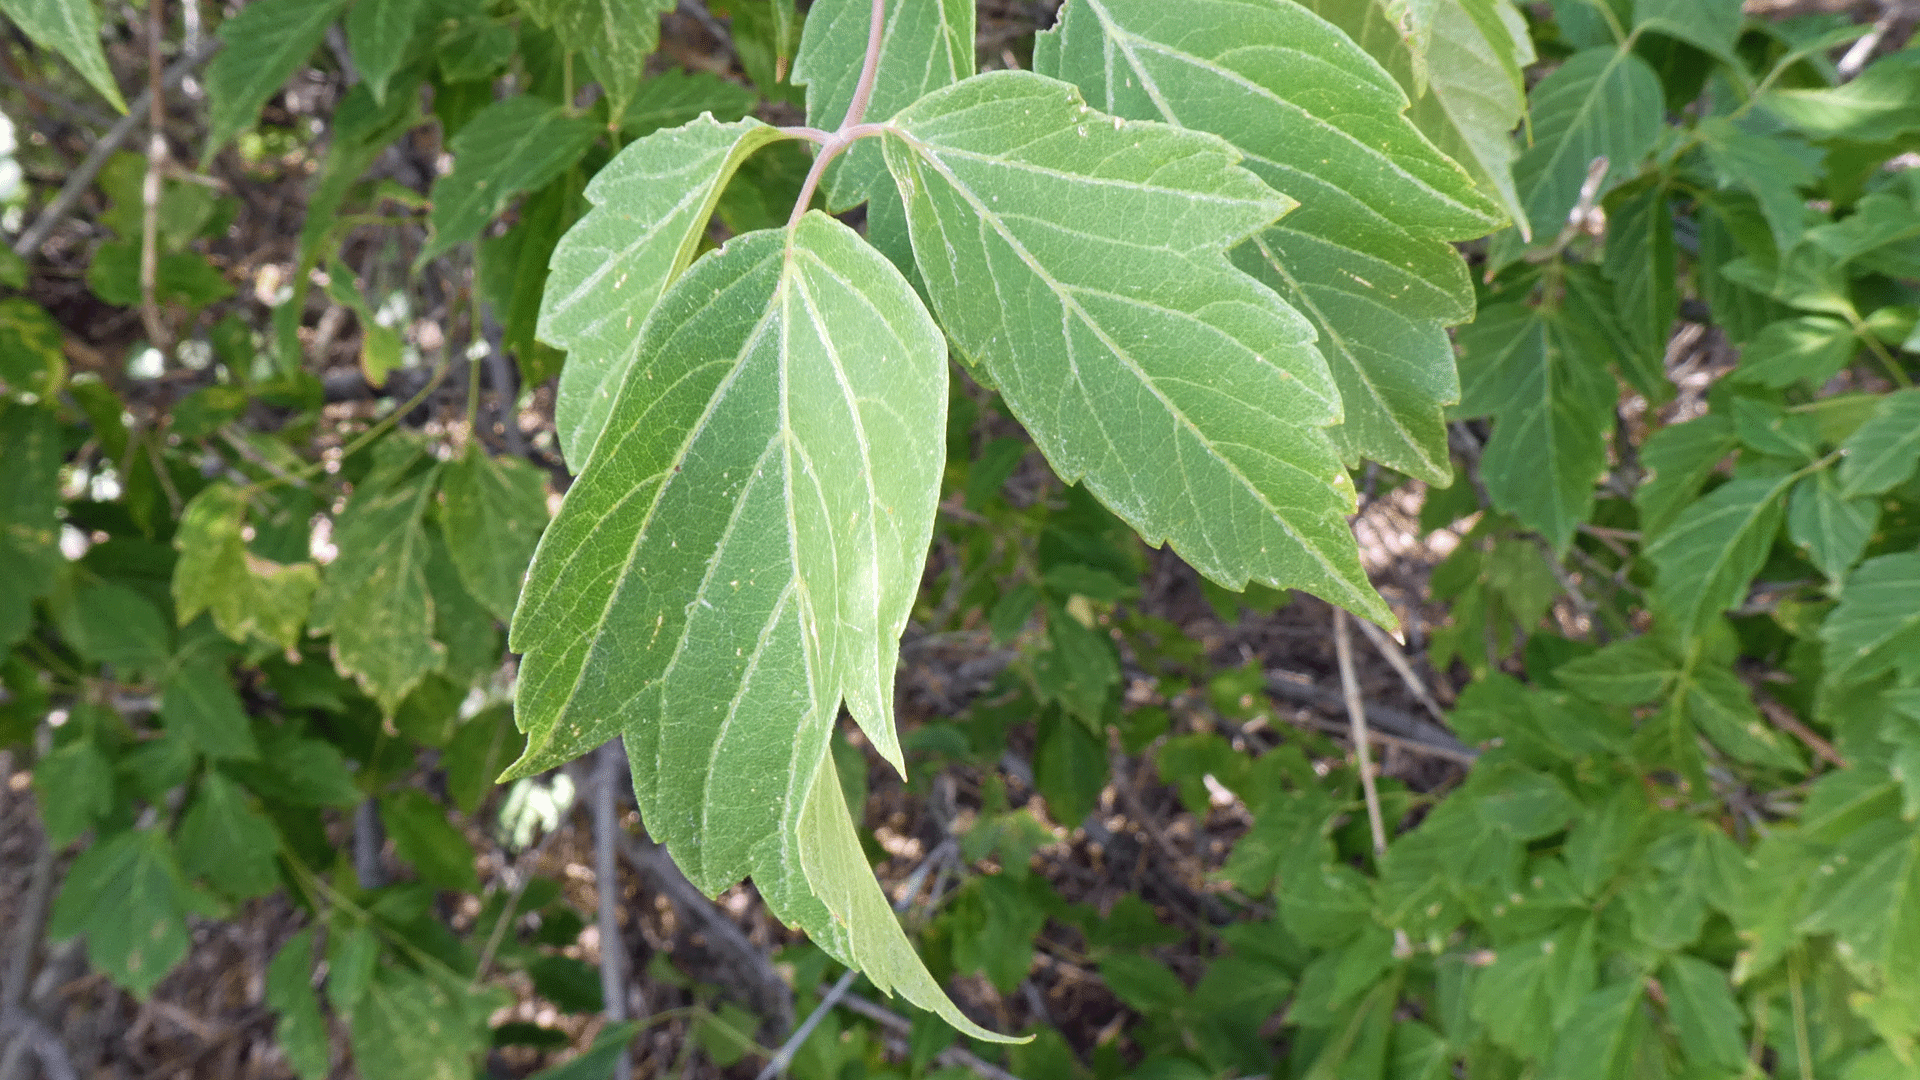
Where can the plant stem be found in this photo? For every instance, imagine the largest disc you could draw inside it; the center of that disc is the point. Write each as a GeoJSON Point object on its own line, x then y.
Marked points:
{"type": "Point", "coordinates": [1357, 716]}
{"type": "Point", "coordinates": [851, 126]}
{"type": "Point", "coordinates": [157, 333]}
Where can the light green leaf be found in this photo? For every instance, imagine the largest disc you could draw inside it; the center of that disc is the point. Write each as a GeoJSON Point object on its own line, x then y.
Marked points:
{"type": "Point", "coordinates": [1474, 94]}
{"type": "Point", "coordinates": [1678, 459]}
{"type": "Point", "coordinates": [1885, 449]}
{"type": "Point", "coordinates": [31, 360]}
{"type": "Point", "coordinates": [200, 706]}
{"type": "Point", "coordinates": [228, 843]}
{"type": "Point", "coordinates": [374, 597]}
{"type": "Point", "coordinates": [301, 1030]}
{"type": "Point", "coordinates": [493, 511]}
{"type": "Point", "coordinates": [74, 789]}
{"type": "Point", "coordinates": [423, 836]}
{"type": "Point", "coordinates": [72, 29]}
{"type": "Point", "coordinates": [1710, 24]}
{"type": "Point", "coordinates": [29, 513]}
{"type": "Point", "coordinates": [615, 37]}
{"type": "Point", "coordinates": [739, 557]}
{"type": "Point", "coordinates": [1552, 399]}
{"type": "Point", "coordinates": [1602, 1039]}
{"type": "Point", "coordinates": [379, 33]}
{"type": "Point", "coordinates": [1807, 347]}
{"type": "Point", "coordinates": [411, 1026]}
{"type": "Point", "coordinates": [651, 205]}
{"type": "Point", "coordinates": [1704, 1013]}
{"type": "Point", "coordinates": [247, 595]}
{"type": "Point", "coordinates": [1881, 103]}
{"type": "Point", "coordinates": [1365, 256]}
{"type": "Point", "coordinates": [512, 146]}
{"type": "Point", "coordinates": [125, 893]}
{"type": "Point", "coordinates": [1104, 241]}
{"type": "Point", "coordinates": [1713, 549]}
{"type": "Point", "coordinates": [1832, 529]}
{"type": "Point", "coordinates": [1876, 626]}
{"type": "Point", "coordinates": [1603, 102]}
{"type": "Point", "coordinates": [265, 44]}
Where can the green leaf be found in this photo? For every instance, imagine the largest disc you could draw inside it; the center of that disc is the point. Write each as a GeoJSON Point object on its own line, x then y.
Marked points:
{"type": "Point", "coordinates": [1876, 626]}
{"type": "Point", "coordinates": [1710, 24]}
{"type": "Point", "coordinates": [1104, 241]}
{"type": "Point", "coordinates": [651, 205]}
{"type": "Point", "coordinates": [1474, 94]}
{"type": "Point", "coordinates": [412, 1027]}
{"type": "Point", "coordinates": [1678, 459]}
{"type": "Point", "coordinates": [1832, 529]}
{"type": "Point", "coordinates": [227, 843]}
{"type": "Point", "coordinates": [423, 836]}
{"type": "Point", "coordinates": [299, 771]}
{"type": "Point", "coordinates": [265, 44]}
{"type": "Point", "coordinates": [301, 1030]}
{"type": "Point", "coordinates": [374, 597]}
{"type": "Point", "coordinates": [1534, 987]}
{"type": "Point", "coordinates": [1365, 256]}
{"type": "Point", "coordinates": [74, 789]}
{"type": "Point", "coordinates": [494, 509]}
{"type": "Point", "coordinates": [1144, 985]}
{"type": "Point", "coordinates": [247, 595]}
{"type": "Point", "coordinates": [1805, 348]}
{"type": "Point", "coordinates": [676, 98]}
{"type": "Point", "coordinates": [1885, 449]}
{"type": "Point", "coordinates": [1765, 166]}
{"type": "Point", "coordinates": [379, 33]}
{"type": "Point", "coordinates": [614, 36]}
{"type": "Point", "coordinates": [112, 624]}
{"type": "Point", "coordinates": [1601, 1041]}
{"type": "Point", "coordinates": [1882, 102]}
{"type": "Point", "coordinates": [598, 1062]}
{"type": "Point", "coordinates": [512, 146]}
{"type": "Point", "coordinates": [1705, 1015]}
{"type": "Point", "coordinates": [125, 893]}
{"type": "Point", "coordinates": [29, 513]}
{"type": "Point", "coordinates": [72, 29]}
{"type": "Point", "coordinates": [1863, 892]}
{"type": "Point", "coordinates": [31, 360]}
{"type": "Point", "coordinates": [481, 750]}
{"type": "Point", "coordinates": [1552, 399]}
{"type": "Point", "coordinates": [1641, 261]}
{"type": "Point", "coordinates": [512, 272]}
{"type": "Point", "coordinates": [1603, 102]}
{"type": "Point", "coordinates": [200, 706]}
{"type": "Point", "coordinates": [748, 538]}
{"type": "Point", "coordinates": [1715, 546]}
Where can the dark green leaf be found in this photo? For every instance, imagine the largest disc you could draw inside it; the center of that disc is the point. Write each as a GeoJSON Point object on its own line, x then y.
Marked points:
{"type": "Point", "coordinates": [125, 893]}
{"type": "Point", "coordinates": [1876, 627]}
{"type": "Point", "coordinates": [31, 360]}
{"type": "Point", "coordinates": [1603, 102]}
{"type": "Point", "coordinates": [1704, 1013]}
{"type": "Point", "coordinates": [1832, 529]}
{"type": "Point", "coordinates": [493, 513]}
{"type": "Point", "coordinates": [379, 33]}
{"type": "Point", "coordinates": [29, 513]}
{"type": "Point", "coordinates": [675, 98]}
{"type": "Point", "coordinates": [300, 1030]}
{"type": "Point", "coordinates": [1602, 1039]}
{"type": "Point", "coordinates": [423, 836]}
{"type": "Point", "coordinates": [200, 706]}
{"type": "Point", "coordinates": [614, 36]}
{"type": "Point", "coordinates": [1715, 546]}
{"type": "Point", "coordinates": [226, 842]}
{"type": "Point", "coordinates": [411, 1027]}
{"type": "Point", "coordinates": [1884, 451]}
{"type": "Point", "coordinates": [480, 751]}
{"type": "Point", "coordinates": [513, 146]}
{"type": "Point", "coordinates": [113, 624]}
{"type": "Point", "coordinates": [74, 789]}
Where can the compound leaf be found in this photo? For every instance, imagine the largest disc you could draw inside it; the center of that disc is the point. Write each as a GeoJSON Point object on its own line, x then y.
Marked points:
{"type": "Point", "coordinates": [511, 146]}
{"type": "Point", "coordinates": [737, 559]}
{"type": "Point", "coordinates": [1877, 623]}
{"type": "Point", "coordinates": [126, 894]}
{"type": "Point", "coordinates": [651, 205]}
{"type": "Point", "coordinates": [1603, 102]}
{"type": "Point", "coordinates": [72, 29]}
{"type": "Point", "coordinates": [615, 36]}
{"type": "Point", "coordinates": [1103, 243]}
{"type": "Point", "coordinates": [1365, 256]}
{"type": "Point", "coordinates": [492, 514]}
{"type": "Point", "coordinates": [265, 44]}
{"type": "Point", "coordinates": [374, 598]}
{"type": "Point", "coordinates": [1714, 547]}
{"type": "Point", "coordinates": [1884, 451]}
{"type": "Point", "coordinates": [1552, 401]}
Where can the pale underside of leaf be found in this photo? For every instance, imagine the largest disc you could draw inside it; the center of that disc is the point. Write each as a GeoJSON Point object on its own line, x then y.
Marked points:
{"type": "Point", "coordinates": [1365, 256]}
{"type": "Point", "coordinates": [651, 205]}
{"type": "Point", "coordinates": [738, 557]}
{"type": "Point", "coordinates": [1187, 396]}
